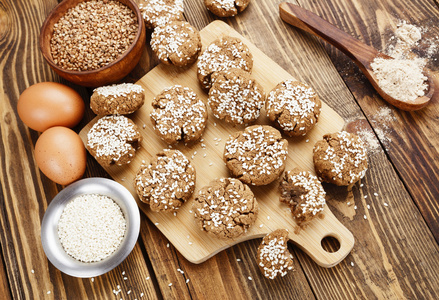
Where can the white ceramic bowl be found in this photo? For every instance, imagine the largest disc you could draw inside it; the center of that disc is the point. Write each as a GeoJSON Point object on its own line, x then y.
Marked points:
{"type": "Point", "coordinates": [49, 228]}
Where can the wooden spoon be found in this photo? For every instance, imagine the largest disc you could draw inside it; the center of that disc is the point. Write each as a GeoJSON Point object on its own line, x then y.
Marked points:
{"type": "Point", "coordinates": [362, 54]}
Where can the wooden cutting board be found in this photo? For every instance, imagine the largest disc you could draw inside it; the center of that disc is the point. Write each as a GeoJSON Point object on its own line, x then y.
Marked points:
{"type": "Point", "coordinates": [206, 155]}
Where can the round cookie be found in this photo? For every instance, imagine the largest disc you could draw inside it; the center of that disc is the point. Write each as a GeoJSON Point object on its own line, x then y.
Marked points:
{"type": "Point", "coordinates": [273, 256]}
{"type": "Point", "coordinates": [235, 97]}
{"type": "Point", "coordinates": [176, 43]}
{"type": "Point", "coordinates": [115, 99]}
{"type": "Point", "coordinates": [256, 155]}
{"type": "Point", "coordinates": [226, 8]}
{"type": "Point", "coordinates": [113, 140]}
{"type": "Point", "coordinates": [160, 12]}
{"type": "Point", "coordinates": [294, 107]}
{"type": "Point", "coordinates": [222, 54]}
{"type": "Point", "coordinates": [340, 158]}
{"type": "Point", "coordinates": [225, 208]}
{"type": "Point", "coordinates": [178, 115]}
{"type": "Point", "coordinates": [304, 193]}
{"type": "Point", "coordinates": [167, 182]}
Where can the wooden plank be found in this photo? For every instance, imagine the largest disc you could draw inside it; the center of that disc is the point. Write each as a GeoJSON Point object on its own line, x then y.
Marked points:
{"type": "Point", "coordinates": [202, 246]}
{"type": "Point", "coordinates": [25, 191]}
{"type": "Point", "coordinates": [410, 139]}
{"type": "Point", "coordinates": [5, 291]}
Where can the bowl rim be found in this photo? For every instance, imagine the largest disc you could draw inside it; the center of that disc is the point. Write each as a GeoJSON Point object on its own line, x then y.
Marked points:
{"type": "Point", "coordinates": [49, 227]}
{"type": "Point", "coordinates": [66, 5]}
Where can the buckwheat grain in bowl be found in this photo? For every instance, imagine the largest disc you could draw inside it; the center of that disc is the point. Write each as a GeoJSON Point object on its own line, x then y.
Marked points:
{"type": "Point", "coordinates": [92, 34]}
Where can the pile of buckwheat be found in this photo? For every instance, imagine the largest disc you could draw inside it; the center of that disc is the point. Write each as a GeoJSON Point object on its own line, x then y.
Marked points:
{"type": "Point", "coordinates": [93, 34]}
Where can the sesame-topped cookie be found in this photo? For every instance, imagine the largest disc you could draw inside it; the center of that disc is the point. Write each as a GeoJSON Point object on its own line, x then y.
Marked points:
{"type": "Point", "coordinates": [294, 107]}
{"type": "Point", "coordinates": [222, 54]}
{"type": "Point", "coordinates": [160, 12]}
{"type": "Point", "coordinates": [304, 193]}
{"type": "Point", "coordinates": [256, 155]}
{"type": "Point", "coordinates": [235, 97]}
{"type": "Point", "coordinates": [113, 140]}
{"type": "Point", "coordinates": [340, 158]}
{"type": "Point", "coordinates": [176, 43]}
{"type": "Point", "coordinates": [122, 99]}
{"type": "Point", "coordinates": [273, 256]}
{"type": "Point", "coordinates": [167, 182]}
{"type": "Point", "coordinates": [178, 115]}
{"type": "Point", "coordinates": [225, 208]}
{"type": "Point", "coordinates": [226, 8]}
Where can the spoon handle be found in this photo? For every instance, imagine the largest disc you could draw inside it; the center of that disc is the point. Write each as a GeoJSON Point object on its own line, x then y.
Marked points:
{"type": "Point", "coordinates": [361, 53]}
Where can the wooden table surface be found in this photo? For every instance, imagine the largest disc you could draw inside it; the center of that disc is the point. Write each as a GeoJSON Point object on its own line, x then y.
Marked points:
{"type": "Point", "coordinates": [396, 254]}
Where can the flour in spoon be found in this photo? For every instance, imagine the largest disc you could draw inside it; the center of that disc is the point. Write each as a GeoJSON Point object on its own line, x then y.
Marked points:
{"type": "Point", "coordinates": [402, 78]}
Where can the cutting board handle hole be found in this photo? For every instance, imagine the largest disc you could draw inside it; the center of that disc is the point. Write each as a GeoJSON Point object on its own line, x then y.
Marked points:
{"type": "Point", "coordinates": [330, 244]}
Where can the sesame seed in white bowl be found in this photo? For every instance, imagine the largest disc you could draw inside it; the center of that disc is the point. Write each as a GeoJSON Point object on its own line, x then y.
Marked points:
{"type": "Point", "coordinates": [74, 234]}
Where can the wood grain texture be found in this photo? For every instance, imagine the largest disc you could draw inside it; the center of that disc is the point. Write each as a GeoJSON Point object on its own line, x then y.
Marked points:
{"type": "Point", "coordinates": [25, 191]}
{"type": "Point", "coordinates": [411, 139]}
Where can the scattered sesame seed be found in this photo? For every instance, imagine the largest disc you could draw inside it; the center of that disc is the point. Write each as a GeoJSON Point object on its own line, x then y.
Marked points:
{"type": "Point", "coordinates": [125, 278]}
{"type": "Point", "coordinates": [352, 263]}
{"type": "Point", "coordinates": [141, 294]}
{"type": "Point", "coordinates": [385, 204]}
{"type": "Point", "coordinates": [167, 245]}
{"type": "Point", "coordinates": [190, 243]}
{"type": "Point", "coordinates": [249, 278]}
{"type": "Point", "coordinates": [123, 273]}
{"type": "Point", "coordinates": [368, 206]}
{"type": "Point", "coordinates": [170, 284]}
{"type": "Point", "coordinates": [307, 141]}
{"type": "Point", "coordinates": [355, 207]}
{"type": "Point", "coordinates": [361, 185]}
{"type": "Point", "coordinates": [365, 196]}
{"type": "Point", "coordinates": [238, 259]}
{"type": "Point", "coordinates": [187, 280]}
{"type": "Point", "coordinates": [211, 164]}
{"type": "Point", "coordinates": [187, 236]}
{"type": "Point", "coordinates": [365, 217]}
{"type": "Point", "coordinates": [147, 278]}
{"type": "Point", "coordinates": [157, 223]}
{"type": "Point", "coordinates": [268, 217]}
{"type": "Point", "coordinates": [92, 279]}
{"type": "Point", "coordinates": [348, 203]}
{"type": "Point", "coordinates": [32, 271]}
{"type": "Point", "coordinates": [262, 225]}
{"type": "Point", "coordinates": [375, 194]}
{"type": "Point", "coordinates": [129, 292]}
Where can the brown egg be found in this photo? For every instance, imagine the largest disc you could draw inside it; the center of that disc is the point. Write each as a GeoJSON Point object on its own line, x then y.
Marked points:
{"type": "Point", "coordinates": [60, 155]}
{"type": "Point", "coordinates": [47, 104]}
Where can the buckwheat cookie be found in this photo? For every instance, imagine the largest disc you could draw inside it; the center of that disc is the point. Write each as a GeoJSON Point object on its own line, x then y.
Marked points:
{"type": "Point", "coordinates": [226, 8]}
{"type": "Point", "coordinates": [167, 182]}
{"type": "Point", "coordinates": [115, 99]}
{"type": "Point", "coordinates": [235, 97]}
{"type": "Point", "coordinates": [178, 115]}
{"type": "Point", "coordinates": [304, 193]}
{"type": "Point", "coordinates": [222, 54]}
{"type": "Point", "coordinates": [176, 43]}
{"type": "Point", "coordinates": [340, 158]}
{"type": "Point", "coordinates": [160, 12]}
{"type": "Point", "coordinates": [225, 208]}
{"type": "Point", "coordinates": [294, 107]}
{"type": "Point", "coordinates": [113, 140]}
{"type": "Point", "coordinates": [256, 155]}
{"type": "Point", "coordinates": [273, 255]}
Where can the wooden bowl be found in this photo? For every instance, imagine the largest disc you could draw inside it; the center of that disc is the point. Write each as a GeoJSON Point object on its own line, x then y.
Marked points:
{"type": "Point", "coordinates": [111, 73]}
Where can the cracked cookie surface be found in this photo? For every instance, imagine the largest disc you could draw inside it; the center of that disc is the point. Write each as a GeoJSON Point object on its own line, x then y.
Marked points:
{"type": "Point", "coordinates": [235, 96]}
{"type": "Point", "coordinates": [304, 193]}
{"type": "Point", "coordinates": [226, 8]}
{"type": "Point", "coordinates": [178, 115]}
{"type": "Point", "coordinates": [273, 256]}
{"type": "Point", "coordinates": [167, 182]}
{"type": "Point", "coordinates": [113, 140]}
{"type": "Point", "coordinates": [256, 155]}
{"type": "Point", "coordinates": [225, 208]}
{"type": "Point", "coordinates": [340, 158]}
{"type": "Point", "coordinates": [123, 99]}
{"type": "Point", "coordinates": [294, 107]}
{"type": "Point", "coordinates": [177, 43]}
{"type": "Point", "coordinates": [223, 54]}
